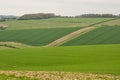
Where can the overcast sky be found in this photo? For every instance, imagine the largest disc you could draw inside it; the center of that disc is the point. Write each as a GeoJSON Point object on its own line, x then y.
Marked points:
{"type": "Point", "coordinates": [62, 7]}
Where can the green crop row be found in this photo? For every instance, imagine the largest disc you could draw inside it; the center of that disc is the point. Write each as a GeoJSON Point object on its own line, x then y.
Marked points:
{"type": "Point", "coordinates": [102, 35]}
{"type": "Point", "coordinates": [35, 37]}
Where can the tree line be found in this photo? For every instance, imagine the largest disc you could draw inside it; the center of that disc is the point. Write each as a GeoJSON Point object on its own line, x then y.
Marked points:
{"type": "Point", "coordinates": [52, 15]}
{"type": "Point", "coordinates": [7, 17]}
{"type": "Point", "coordinates": [37, 16]}
{"type": "Point", "coordinates": [97, 16]}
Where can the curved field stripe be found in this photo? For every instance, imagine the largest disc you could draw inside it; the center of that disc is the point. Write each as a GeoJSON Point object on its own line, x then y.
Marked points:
{"type": "Point", "coordinates": [78, 32]}
{"type": "Point", "coordinates": [69, 36]}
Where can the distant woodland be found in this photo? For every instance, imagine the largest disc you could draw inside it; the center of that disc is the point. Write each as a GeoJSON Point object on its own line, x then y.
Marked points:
{"type": "Point", "coordinates": [52, 15]}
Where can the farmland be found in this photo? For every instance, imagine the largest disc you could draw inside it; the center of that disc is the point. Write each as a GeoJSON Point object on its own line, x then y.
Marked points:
{"type": "Point", "coordinates": [52, 23]}
{"type": "Point", "coordinates": [3, 47]}
{"type": "Point", "coordinates": [102, 35]}
{"type": "Point", "coordinates": [85, 54]}
{"type": "Point", "coordinates": [43, 36]}
{"type": "Point", "coordinates": [112, 23]}
{"type": "Point", "coordinates": [34, 37]}
{"type": "Point", "coordinates": [81, 59]}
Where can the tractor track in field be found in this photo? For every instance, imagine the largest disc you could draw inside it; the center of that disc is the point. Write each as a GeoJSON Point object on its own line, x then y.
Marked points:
{"type": "Point", "coordinates": [69, 36]}
{"type": "Point", "coordinates": [75, 34]}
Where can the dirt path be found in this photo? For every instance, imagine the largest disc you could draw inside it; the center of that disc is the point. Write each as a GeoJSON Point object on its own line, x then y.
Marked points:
{"type": "Point", "coordinates": [76, 33]}
{"type": "Point", "coordinates": [45, 75]}
{"type": "Point", "coordinates": [69, 36]}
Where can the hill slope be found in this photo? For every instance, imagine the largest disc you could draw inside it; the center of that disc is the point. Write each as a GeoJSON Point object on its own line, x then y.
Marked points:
{"type": "Point", "coordinates": [35, 37]}
{"type": "Point", "coordinates": [47, 35]}
{"type": "Point", "coordinates": [70, 36]}
{"type": "Point", "coordinates": [102, 35]}
{"type": "Point", "coordinates": [78, 33]}
{"type": "Point", "coordinates": [52, 23]}
{"type": "Point", "coordinates": [112, 23]}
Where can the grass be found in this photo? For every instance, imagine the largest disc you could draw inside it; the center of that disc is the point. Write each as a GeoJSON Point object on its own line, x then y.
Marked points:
{"type": "Point", "coordinates": [80, 20]}
{"type": "Point", "coordinates": [112, 23]}
{"type": "Point", "coordinates": [34, 37]}
{"type": "Point", "coordinates": [89, 59]}
{"type": "Point", "coordinates": [52, 23]}
{"type": "Point", "coordinates": [102, 35]}
{"type": "Point", "coordinates": [4, 47]}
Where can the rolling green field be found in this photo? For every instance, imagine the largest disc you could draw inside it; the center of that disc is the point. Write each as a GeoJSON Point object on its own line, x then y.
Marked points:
{"type": "Point", "coordinates": [102, 35]}
{"type": "Point", "coordinates": [34, 37]}
{"type": "Point", "coordinates": [52, 23]}
{"type": "Point", "coordinates": [96, 51]}
{"type": "Point", "coordinates": [113, 23]}
{"type": "Point", "coordinates": [93, 59]}
{"type": "Point", "coordinates": [45, 35]}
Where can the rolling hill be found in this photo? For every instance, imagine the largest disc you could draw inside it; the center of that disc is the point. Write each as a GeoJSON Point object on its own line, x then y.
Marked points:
{"type": "Point", "coordinates": [99, 53]}
{"type": "Point", "coordinates": [34, 37]}
{"type": "Point", "coordinates": [37, 32]}
{"type": "Point", "coordinates": [52, 23]}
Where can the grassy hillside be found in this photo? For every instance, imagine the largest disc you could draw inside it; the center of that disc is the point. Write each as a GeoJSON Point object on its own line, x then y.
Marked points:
{"type": "Point", "coordinates": [43, 36]}
{"type": "Point", "coordinates": [112, 23]}
{"type": "Point", "coordinates": [52, 23]}
{"type": "Point", "coordinates": [80, 20]}
{"type": "Point", "coordinates": [94, 59]}
{"type": "Point", "coordinates": [35, 37]}
{"type": "Point", "coordinates": [102, 35]}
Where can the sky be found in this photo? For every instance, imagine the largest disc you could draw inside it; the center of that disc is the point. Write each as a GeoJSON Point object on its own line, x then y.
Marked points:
{"type": "Point", "coordinates": [59, 7]}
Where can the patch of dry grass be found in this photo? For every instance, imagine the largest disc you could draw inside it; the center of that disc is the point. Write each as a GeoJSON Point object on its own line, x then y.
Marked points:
{"type": "Point", "coordinates": [13, 45]}
{"type": "Point", "coordinates": [44, 75]}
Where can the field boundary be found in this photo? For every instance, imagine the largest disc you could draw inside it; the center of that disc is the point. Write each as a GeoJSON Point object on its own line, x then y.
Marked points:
{"type": "Point", "coordinates": [102, 22]}
{"type": "Point", "coordinates": [14, 45]}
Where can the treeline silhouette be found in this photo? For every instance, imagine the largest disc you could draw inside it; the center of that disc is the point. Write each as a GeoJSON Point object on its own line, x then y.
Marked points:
{"type": "Point", "coordinates": [97, 16]}
{"type": "Point", "coordinates": [52, 15]}
{"type": "Point", "coordinates": [7, 17]}
{"type": "Point", "coordinates": [37, 16]}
